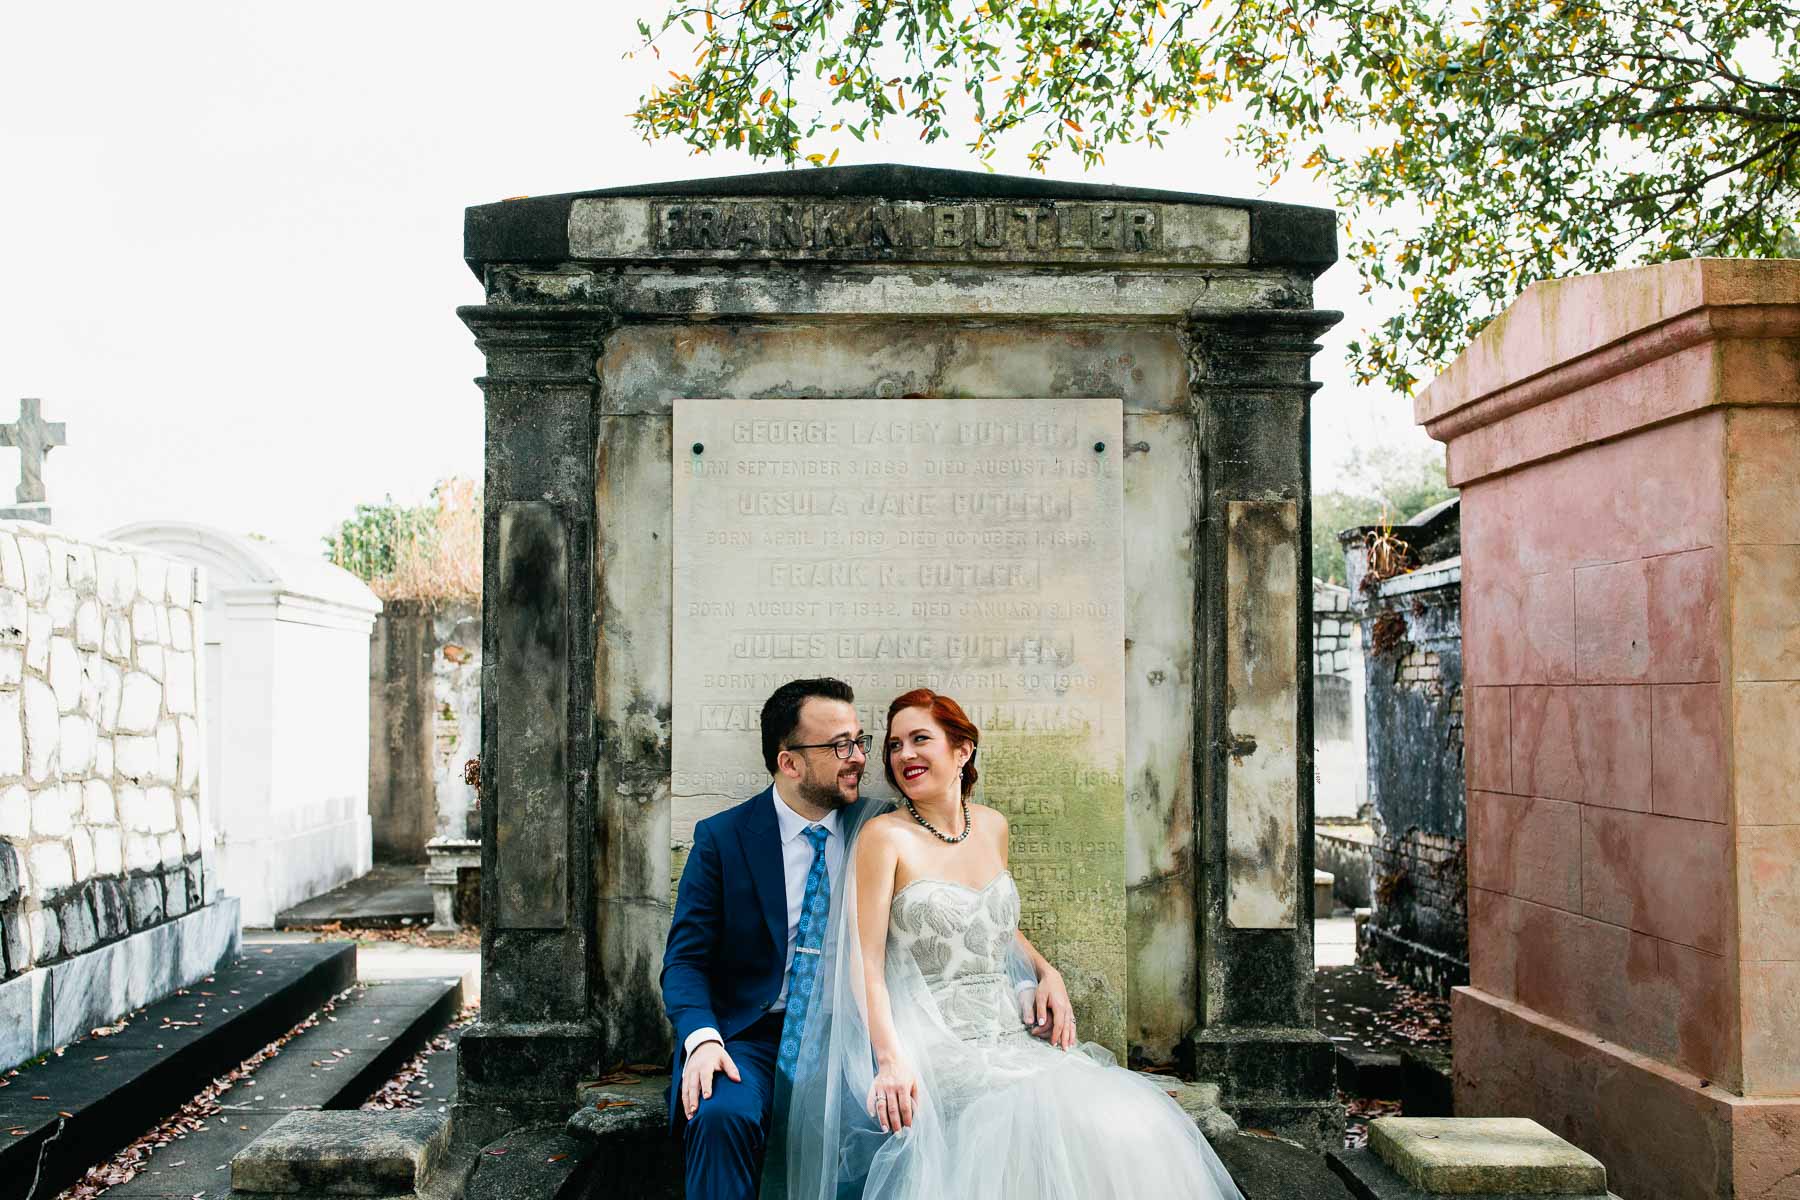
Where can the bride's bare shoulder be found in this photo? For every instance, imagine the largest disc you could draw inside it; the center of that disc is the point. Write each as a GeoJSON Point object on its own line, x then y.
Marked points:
{"type": "Point", "coordinates": [879, 831]}
{"type": "Point", "coordinates": [991, 813]}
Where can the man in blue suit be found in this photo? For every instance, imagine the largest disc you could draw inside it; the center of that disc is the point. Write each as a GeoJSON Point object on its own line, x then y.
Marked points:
{"type": "Point", "coordinates": [749, 918]}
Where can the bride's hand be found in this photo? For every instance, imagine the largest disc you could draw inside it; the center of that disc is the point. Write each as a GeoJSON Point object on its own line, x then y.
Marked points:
{"type": "Point", "coordinates": [894, 1097]}
{"type": "Point", "coordinates": [1049, 1013]}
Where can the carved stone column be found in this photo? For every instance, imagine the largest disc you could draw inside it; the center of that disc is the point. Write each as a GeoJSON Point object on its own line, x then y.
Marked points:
{"type": "Point", "coordinates": [537, 1037]}
{"type": "Point", "coordinates": [1250, 378]}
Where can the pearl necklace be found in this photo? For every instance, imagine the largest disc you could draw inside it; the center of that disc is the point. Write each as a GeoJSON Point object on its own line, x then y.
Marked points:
{"type": "Point", "coordinates": [934, 830]}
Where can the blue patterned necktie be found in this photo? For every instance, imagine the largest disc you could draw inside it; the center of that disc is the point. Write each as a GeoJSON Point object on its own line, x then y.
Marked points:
{"type": "Point", "coordinates": [815, 908]}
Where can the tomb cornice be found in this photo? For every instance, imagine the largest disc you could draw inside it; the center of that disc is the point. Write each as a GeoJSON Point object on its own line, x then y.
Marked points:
{"type": "Point", "coordinates": [538, 345]}
{"type": "Point", "coordinates": [689, 291]}
{"type": "Point", "coordinates": [1562, 334]}
{"type": "Point", "coordinates": [897, 214]}
{"type": "Point", "coordinates": [1635, 351]}
{"type": "Point", "coordinates": [1249, 350]}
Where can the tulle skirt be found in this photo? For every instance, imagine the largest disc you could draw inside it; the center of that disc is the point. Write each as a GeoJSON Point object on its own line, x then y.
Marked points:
{"type": "Point", "coordinates": [1022, 1120]}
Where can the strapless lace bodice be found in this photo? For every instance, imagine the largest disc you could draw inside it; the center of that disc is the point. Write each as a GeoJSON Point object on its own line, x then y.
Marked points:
{"type": "Point", "coordinates": [959, 936]}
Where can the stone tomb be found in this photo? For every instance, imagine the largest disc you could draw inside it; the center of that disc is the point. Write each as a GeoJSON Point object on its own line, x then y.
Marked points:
{"type": "Point", "coordinates": [968, 546]}
{"type": "Point", "coordinates": [1145, 684]}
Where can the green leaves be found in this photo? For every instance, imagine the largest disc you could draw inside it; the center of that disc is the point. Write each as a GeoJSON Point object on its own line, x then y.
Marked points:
{"type": "Point", "coordinates": [1474, 150]}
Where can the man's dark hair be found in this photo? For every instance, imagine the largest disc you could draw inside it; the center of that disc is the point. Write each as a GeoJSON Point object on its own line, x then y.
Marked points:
{"type": "Point", "coordinates": [781, 712]}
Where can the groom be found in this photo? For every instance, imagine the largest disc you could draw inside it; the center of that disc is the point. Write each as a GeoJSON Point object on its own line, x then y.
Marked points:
{"type": "Point", "coordinates": [750, 917]}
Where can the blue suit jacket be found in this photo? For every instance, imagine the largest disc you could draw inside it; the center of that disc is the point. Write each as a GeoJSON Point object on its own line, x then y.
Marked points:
{"type": "Point", "coordinates": [728, 942]}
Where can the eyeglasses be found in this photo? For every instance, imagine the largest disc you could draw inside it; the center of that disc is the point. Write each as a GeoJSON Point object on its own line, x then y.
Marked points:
{"type": "Point", "coordinates": [844, 748]}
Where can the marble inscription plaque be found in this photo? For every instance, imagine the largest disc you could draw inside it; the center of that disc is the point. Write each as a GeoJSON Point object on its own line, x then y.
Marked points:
{"type": "Point", "coordinates": [1262, 697]}
{"type": "Point", "coordinates": [1073, 231]}
{"type": "Point", "coordinates": [969, 546]}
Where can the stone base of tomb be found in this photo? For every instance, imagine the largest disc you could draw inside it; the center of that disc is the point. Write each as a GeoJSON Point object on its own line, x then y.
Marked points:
{"type": "Point", "coordinates": [514, 1075]}
{"type": "Point", "coordinates": [1661, 1132]}
{"type": "Point", "coordinates": [1281, 1081]}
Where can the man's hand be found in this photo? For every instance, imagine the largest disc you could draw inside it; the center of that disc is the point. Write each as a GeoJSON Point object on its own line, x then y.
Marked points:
{"type": "Point", "coordinates": [707, 1060]}
{"type": "Point", "coordinates": [1049, 1013]}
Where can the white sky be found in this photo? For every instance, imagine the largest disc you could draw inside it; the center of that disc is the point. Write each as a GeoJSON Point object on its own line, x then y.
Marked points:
{"type": "Point", "coordinates": [233, 234]}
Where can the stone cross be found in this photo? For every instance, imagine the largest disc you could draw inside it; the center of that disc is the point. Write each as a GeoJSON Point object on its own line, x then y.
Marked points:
{"type": "Point", "coordinates": [35, 438]}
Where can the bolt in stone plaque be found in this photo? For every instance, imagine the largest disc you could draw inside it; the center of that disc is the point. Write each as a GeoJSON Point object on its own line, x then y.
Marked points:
{"type": "Point", "coordinates": [969, 546]}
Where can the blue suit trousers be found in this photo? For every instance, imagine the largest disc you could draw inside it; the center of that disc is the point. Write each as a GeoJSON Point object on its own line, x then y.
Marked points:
{"type": "Point", "coordinates": [728, 1134]}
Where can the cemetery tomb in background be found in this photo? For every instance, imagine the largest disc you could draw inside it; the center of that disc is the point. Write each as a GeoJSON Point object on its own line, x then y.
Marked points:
{"type": "Point", "coordinates": [969, 546]}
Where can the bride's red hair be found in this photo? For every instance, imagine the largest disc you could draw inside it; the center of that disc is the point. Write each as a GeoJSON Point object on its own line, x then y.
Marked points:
{"type": "Point", "coordinates": [948, 714]}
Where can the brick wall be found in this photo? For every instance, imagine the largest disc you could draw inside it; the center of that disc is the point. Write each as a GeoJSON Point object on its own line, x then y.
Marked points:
{"type": "Point", "coordinates": [1412, 638]}
{"type": "Point", "coordinates": [101, 824]}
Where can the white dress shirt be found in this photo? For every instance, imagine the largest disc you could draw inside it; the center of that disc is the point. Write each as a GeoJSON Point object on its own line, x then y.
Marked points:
{"type": "Point", "coordinates": [796, 863]}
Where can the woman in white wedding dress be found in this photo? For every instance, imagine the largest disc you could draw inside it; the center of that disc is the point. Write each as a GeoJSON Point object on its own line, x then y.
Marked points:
{"type": "Point", "coordinates": [920, 1075]}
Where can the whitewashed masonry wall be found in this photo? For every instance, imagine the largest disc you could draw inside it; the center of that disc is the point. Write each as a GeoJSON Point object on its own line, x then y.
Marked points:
{"type": "Point", "coordinates": [103, 830]}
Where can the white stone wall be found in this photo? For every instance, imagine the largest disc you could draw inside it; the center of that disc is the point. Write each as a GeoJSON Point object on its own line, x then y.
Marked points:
{"type": "Point", "coordinates": [1340, 774]}
{"type": "Point", "coordinates": [456, 721]}
{"type": "Point", "coordinates": [102, 825]}
{"type": "Point", "coordinates": [1331, 629]}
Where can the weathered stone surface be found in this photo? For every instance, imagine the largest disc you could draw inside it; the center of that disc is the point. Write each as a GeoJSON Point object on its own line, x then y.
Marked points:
{"type": "Point", "coordinates": [37, 640]}
{"type": "Point", "coordinates": [988, 326]}
{"type": "Point", "coordinates": [15, 813]}
{"type": "Point", "coordinates": [1051, 231]}
{"type": "Point", "coordinates": [972, 546]}
{"type": "Point", "coordinates": [1368, 1178]}
{"type": "Point", "coordinates": [532, 678]}
{"type": "Point", "coordinates": [109, 851]}
{"type": "Point", "coordinates": [51, 867]}
{"type": "Point", "coordinates": [110, 915]}
{"type": "Point", "coordinates": [37, 570]}
{"type": "Point", "coordinates": [1464, 1155]}
{"type": "Point", "coordinates": [144, 900]}
{"type": "Point", "coordinates": [9, 872]}
{"type": "Point", "coordinates": [539, 229]}
{"type": "Point", "coordinates": [140, 703]}
{"type": "Point", "coordinates": [178, 682]}
{"type": "Point", "coordinates": [81, 845]}
{"type": "Point", "coordinates": [1262, 698]}
{"type": "Point", "coordinates": [12, 734]}
{"type": "Point", "coordinates": [12, 567]}
{"type": "Point", "coordinates": [168, 752]}
{"type": "Point", "coordinates": [1274, 1168]}
{"type": "Point", "coordinates": [76, 735]}
{"type": "Point", "coordinates": [77, 919]}
{"type": "Point", "coordinates": [41, 727]}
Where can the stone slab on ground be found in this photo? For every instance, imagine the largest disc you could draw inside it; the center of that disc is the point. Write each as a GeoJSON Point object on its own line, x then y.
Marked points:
{"type": "Point", "coordinates": [1271, 1168]}
{"type": "Point", "coordinates": [625, 1123]}
{"type": "Point", "coordinates": [1471, 1155]}
{"type": "Point", "coordinates": [1368, 1178]}
{"type": "Point", "coordinates": [117, 1087]}
{"type": "Point", "coordinates": [389, 896]}
{"type": "Point", "coordinates": [342, 1154]}
{"type": "Point", "coordinates": [552, 1164]}
{"type": "Point", "coordinates": [334, 1064]}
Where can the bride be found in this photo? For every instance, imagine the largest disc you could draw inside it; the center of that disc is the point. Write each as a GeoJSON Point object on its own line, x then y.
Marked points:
{"type": "Point", "coordinates": [929, 1068]}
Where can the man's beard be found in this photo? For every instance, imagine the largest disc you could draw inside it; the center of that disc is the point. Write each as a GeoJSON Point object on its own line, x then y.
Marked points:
{"type": "Point", "coordinates": [825, 795]}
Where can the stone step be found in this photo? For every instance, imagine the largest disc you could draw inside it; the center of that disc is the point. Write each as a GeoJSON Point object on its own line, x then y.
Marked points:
{"type": "Point", "coordinates": [333, 1065]}
{"type": "Point", "coordinates": [1479, 1158]}
{"type": "Point", "coordinates": [64, 1113]}
{"type": "Point", "coordinates": [342, 1154]}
